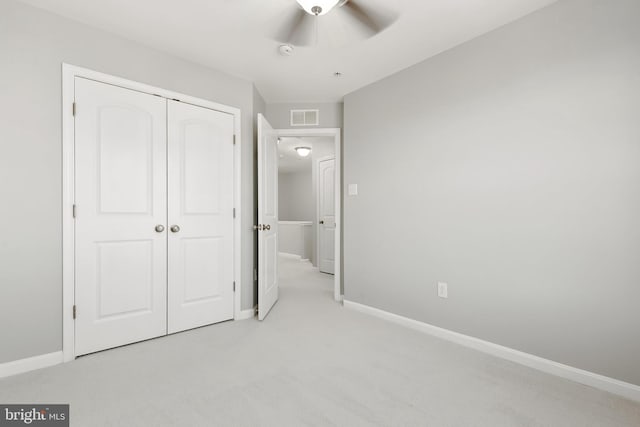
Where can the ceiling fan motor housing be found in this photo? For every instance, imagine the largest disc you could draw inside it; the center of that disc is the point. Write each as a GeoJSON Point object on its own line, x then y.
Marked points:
{"type": "Point", "coordinates": [301, 31]}
{"type": "Point", "coordinates": [317, 7]}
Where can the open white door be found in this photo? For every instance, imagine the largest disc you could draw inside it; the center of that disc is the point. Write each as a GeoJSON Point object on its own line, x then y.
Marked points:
{"type": "Point", "coordinates": [267, 217]}
{"type": "Point", "coordinates": [326, 215]}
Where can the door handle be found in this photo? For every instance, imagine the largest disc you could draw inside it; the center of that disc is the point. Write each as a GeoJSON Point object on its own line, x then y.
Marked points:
{"type": "Point", "coordinates": [257, 227]}
{"type": "Point", "coordinates": [267, 227]}
{"type": "Point", "coordinates": [175, 228]}
{"type": "Point", "coordinates": [321, 222]}
{"type": "Point", "coordinates": [159, 228]}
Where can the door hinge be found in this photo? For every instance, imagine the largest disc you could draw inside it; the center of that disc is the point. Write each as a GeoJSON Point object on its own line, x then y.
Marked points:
{"type": "Point", "coordinates": [74, 311]}
{"type": "Point", "coordinates": [234, 212]}
{"type": "Point", "coordinates": [74, 109]}
{"type": "Point", "coordinates": [73, 211]}
{"type": "Point", "coordinates": [234, 286]}
{"type": "Point", "coordinates": [234, 140]}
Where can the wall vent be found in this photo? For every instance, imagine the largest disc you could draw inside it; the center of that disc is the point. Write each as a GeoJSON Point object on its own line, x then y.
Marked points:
{"type": "Point", "coordinates": [305, 117]}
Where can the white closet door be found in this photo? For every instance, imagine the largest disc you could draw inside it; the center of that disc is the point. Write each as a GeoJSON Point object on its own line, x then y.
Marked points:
{"type": "Point", "coordinates": [120, 152]}
{"type": "Point", "coordinates": [200, 216]}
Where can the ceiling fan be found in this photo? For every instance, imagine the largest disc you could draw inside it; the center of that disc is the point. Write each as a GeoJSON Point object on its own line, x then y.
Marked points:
{"type": "Point", "coordinates": [301, 29]}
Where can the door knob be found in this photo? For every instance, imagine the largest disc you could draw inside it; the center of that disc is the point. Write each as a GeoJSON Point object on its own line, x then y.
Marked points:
{"type": "Point", "coordinates": [321, 222]}
{"type": "Point", "coordinates": [267, 227]}
{"type": "Point", "coordinates": [175, 228]}
{"type": "Point", "coordinates": [159, 228]}
{"type": "Point", "coordinates": [258, 227]}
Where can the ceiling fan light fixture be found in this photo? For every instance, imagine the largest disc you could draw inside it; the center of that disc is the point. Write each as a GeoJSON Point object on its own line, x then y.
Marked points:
{"type": "Point", "coordinates": [318, 7]}
{"type": "Point", "coordinates": [303, 151]}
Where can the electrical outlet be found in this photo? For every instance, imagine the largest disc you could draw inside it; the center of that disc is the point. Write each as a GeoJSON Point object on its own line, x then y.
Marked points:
{"type": "Point", "coordinates": [443, 290]}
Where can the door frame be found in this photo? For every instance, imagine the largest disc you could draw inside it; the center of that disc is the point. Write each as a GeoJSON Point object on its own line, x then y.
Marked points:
{"type": "Point", "coordinates": [317, 177]}
{"type": "Point", "coordinates": [69, 73]}
{"type": "Point", "coordinates": [336, 134]}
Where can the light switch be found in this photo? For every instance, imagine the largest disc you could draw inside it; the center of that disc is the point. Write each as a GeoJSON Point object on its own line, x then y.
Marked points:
{"type": "Point", "coordinates": [443, 290]}
{"type": "Point", "coordinates": [353, 189]}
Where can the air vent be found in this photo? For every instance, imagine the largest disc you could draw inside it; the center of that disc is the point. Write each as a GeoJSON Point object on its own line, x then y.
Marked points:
{"type": "Point", "coordinates": [305, 117]}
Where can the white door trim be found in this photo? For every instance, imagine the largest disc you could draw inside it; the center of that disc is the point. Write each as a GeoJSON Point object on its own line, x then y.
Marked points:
{"type": "Point", "coordinates": [335, 133]}
{"type": "Point", "coordinates": [69, 73]}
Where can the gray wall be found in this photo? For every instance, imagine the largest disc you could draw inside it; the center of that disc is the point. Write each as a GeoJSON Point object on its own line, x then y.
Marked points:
{"type": "Point", "coordinates": [33, 45]}
{"type": "Point", "coordinates": [279, 116]}
{"type": "Point", "coordinates": [295, 196]}
{"type": "Point", "coordinates": [508, 167]}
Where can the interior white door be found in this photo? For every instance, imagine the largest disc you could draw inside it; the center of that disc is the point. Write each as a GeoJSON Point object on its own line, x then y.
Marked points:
{"type": "Point", "coordinates": [121, 212]}
{"type": "Point", "coordinates": [327, 215]}
{"type": "Point", "coordinates": [200, 177]}
{"type": "Point", "coordinates": [267, 217]}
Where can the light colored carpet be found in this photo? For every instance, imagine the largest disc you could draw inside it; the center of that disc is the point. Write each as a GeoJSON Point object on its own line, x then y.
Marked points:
{"type": "Point", "coordinates": [311, 363]}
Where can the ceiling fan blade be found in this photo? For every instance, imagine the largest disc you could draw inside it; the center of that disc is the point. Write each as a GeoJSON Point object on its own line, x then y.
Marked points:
{"type": "Point", "coordinates": [298, 30]}
{"type": "Point", "coordinates": [372, 21]}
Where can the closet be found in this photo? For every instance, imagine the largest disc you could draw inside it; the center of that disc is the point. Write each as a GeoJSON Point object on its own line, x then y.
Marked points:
{"type": "Point", "coordinates": [154, 216]}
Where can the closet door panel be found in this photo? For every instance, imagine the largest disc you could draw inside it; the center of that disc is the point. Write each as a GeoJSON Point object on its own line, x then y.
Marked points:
{"type": "Point", "coordinates": [200, 182]}
{"type": "Point", "coordinates": [120, 197]}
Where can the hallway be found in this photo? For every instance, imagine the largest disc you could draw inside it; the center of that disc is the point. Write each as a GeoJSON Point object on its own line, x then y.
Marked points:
{"type": "Point", "coordinates": [302, 287]}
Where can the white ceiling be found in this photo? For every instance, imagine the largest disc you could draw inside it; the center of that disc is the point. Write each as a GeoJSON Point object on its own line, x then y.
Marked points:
{"type": "Point", "coordinates": [235, 36]}
{"type": "Point", "coordinates": [289, 161]}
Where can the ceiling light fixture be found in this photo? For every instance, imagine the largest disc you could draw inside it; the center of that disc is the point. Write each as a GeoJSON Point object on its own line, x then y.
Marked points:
{"type": "Point", "coordinates": [303, 151]}
{"type": "Point", "coordinates": [317, 7]}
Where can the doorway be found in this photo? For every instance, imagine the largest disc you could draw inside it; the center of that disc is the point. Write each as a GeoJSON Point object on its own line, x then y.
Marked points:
{"type": "Point", "coordinates": [299, 204]}
{"type": "Point", "coordinates": [306, 199]}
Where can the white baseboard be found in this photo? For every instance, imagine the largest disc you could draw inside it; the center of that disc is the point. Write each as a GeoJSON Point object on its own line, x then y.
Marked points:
{"type": "Point", "coordinates": [246, 314]}
{"type": "Point", "coordinates": [288, 255]}
{"type": "Point", "coordinates": [30, 364]}
{"type": "Point", "coordinates": [621, 388]}
{"type": "Point", "coordinates": [293, 256]}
